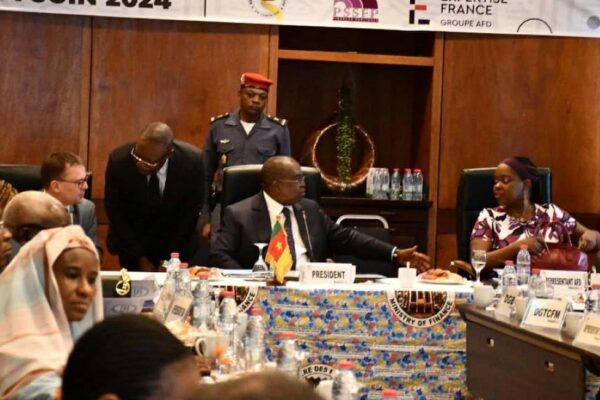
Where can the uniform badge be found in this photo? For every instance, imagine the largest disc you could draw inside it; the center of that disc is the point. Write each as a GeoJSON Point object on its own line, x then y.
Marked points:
{"type": "Point", "coordinates": [223, 159]}
{"type": "Point", "coordinates": [224, 141]}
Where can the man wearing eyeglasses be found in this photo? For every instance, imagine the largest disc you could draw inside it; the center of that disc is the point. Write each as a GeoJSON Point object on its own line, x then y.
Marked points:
{"type": "Point", "coordinates": [310, 233]}
{"type": "Point", "coordinates": [65, 178]}
{"type": "Point", "coordinates": [246, 136]}
{"type": "Point", "coordinates": [153, 196]}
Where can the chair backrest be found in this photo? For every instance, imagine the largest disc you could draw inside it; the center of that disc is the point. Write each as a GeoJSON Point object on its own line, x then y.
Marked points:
{"type": "Point", "coordinates": [243, 181]}
{"type": "Point", "coordinates": [27, 177]}
{"type": "Point", "coordinates": [475, 192]}
{"type": "Point", "coordinates": [372, 225]}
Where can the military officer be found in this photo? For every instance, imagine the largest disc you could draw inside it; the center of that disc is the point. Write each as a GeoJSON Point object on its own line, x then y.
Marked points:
{"type": "Point", "coordinates": [245, 136]}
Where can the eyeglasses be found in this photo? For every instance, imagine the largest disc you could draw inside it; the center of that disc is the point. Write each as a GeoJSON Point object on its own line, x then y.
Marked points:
{"type": "Point", "coordinates": [146, 163]}
{"type": "Point", "coordinates": [79, 182]}
{"type": "Point", "coordinates": [299, 180]}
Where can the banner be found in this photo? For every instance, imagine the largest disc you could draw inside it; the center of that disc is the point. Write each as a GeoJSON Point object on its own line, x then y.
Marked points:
{"type": "Point", "coordinates": [537, 17]}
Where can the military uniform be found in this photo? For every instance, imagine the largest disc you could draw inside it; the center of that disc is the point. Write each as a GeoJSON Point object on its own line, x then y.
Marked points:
{"type": "Point", "coordinates": [227, 144]}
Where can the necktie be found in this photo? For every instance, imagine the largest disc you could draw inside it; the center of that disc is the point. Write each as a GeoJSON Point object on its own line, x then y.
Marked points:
{"type": "Point", "coordinates": [154, 189]}
{"type": "Point", "coordinates": [290, 236]}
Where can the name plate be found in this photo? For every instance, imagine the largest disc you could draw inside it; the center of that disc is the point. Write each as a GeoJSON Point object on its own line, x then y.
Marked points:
{"type": "Point", "coordinates": [545, 313]}
{"type": "Point", "coordinates": [589, 334]}
{"type": "Point", "coordinates": [327, 273]}
{"type": "Point", "coordinates": [566, 283]}
{"type": "Point", "coordinates": [506, 305]}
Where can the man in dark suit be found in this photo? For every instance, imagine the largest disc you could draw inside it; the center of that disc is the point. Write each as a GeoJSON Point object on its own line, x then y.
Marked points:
{"type": "Point", "coordinates": [65, 178]}
{"type": "Point", "coordinates": [311, 234]}
{"type": "Point", "coordinates": [153, 196]}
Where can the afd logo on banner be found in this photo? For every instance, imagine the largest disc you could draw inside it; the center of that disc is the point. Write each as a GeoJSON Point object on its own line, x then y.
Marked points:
{"type": "Point", "coordinates": [356, 10]}
{"type": "Point", "coordinates": [414, 8]}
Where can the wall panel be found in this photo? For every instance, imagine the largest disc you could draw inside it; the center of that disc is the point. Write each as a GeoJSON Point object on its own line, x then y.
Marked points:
{"type": "Point", "coordinates": [535, 96]}
{"type": "Point", "coordinates": [181, 73]}
{"type": "Point", "coordinates": [44, 85]}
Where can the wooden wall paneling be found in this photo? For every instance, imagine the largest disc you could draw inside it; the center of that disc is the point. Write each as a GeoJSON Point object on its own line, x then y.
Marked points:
{"type": "Point", "coordinates": [44, 81]}
{"type": "Point", "coordinates": [181, 73]}
{"type": "Point", "coordinates": [433, 141]}
{"type": "Point", "coordinates": [273, 70]}
{"type": "Point", "coordinates": [535, 96]}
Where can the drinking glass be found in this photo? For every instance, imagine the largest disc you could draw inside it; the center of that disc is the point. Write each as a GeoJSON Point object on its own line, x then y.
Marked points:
{"type": "Point", "coordinates": [260, 267]}
{"type": "Point", "coordinates": [478, 260]}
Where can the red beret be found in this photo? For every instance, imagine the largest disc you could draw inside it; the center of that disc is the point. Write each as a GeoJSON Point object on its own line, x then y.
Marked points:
{"type": "Point", "coordinates": [252, 79]}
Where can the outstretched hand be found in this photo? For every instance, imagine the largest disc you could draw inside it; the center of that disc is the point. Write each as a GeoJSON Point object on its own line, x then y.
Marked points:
{"type": "Point", "coordinates": [420, 261]}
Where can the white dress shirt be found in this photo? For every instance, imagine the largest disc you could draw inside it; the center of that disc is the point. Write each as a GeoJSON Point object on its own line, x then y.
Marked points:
{"type": "Point", "coordinates": [275, 210]}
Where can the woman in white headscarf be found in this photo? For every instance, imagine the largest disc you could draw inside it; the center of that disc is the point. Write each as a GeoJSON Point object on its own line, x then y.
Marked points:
{"type": "Point", "coordinates": [50, 294]}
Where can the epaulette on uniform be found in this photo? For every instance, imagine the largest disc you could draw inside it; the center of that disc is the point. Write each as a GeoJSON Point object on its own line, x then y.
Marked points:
{"type": "Point", "coordinates": [282, 122]}
{"type": "Point", "coordinates": [213, 119]}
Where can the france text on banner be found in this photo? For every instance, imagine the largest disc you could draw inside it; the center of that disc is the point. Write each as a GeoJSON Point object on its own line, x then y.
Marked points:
{"type": "Point", "coordinates": [538, 17]}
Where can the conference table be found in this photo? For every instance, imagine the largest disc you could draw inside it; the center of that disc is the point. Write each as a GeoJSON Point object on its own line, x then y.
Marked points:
{"type": "Point", "coordinates": [414, 341]}
{"type": "Point", "coordinates": [506, 360]}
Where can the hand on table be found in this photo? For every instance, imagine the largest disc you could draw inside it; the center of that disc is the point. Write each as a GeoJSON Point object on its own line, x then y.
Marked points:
{"type": "Point", "coordinates": [420, 261]}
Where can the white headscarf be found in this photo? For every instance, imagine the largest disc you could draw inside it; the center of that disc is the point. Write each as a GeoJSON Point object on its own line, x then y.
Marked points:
{"type": "Point", "coordinates": [35, 335]}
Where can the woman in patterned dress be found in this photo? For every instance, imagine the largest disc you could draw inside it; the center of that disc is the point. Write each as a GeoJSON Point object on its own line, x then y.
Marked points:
{"type": "Point", "coordinates": [517, 220]}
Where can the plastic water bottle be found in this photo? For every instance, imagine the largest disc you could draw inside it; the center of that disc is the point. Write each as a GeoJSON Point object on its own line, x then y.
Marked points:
{"type": "Point", "coordinates": [370, 186]}
{"type": "Point", "coordinates": [390, 394]}
{"type": "Point", "coordinates": [418, 184]}
{"type": "Point", "coordinates": [385, 183]}
{"type": "Point", "coordinates": [168, 290]}
{"type": "Point", "coordinates": [202, 302]}
{"type": "Point", "coordinates": [509, 276]}
{"type": "Point", "coordinates": [396, 185]}
{"type": "Point", "coordinates": [591, 301]}
{"type": "Point", "coordinates": [287, 354]}
{"type": "Point", "coordinates": [182, 298]}
{"type": "Point", "coordinates": [407, 185]}
{"type": "Point", "coordinates": [538, 287]}
{"type": "Point", "coordinates": [255, 340]}
{"type": "Point", "coordinates": [523, 265]}
{"type": "Point", "coordinates": [227, 314]}
{"type": "Point", "coordinates": [345, 386]}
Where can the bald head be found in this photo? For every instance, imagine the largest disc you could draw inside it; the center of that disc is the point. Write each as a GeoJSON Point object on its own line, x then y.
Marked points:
{"type": "Point", "coordinates": [282, 179]}
{"type": "Point", "coordinates": [29, 212]}
{"type": "Point", "coordinates": [153, 148]}
{"type": "Point", "coordinates": [158, 133]}
{"type": "Point", "coordinates": [275, 168]}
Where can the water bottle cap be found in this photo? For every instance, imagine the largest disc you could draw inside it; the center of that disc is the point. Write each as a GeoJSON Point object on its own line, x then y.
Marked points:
{"type": "Point", "coordinates": [389, 393]}
{"type": "Point", "coordinates": [535, 270]}
{"type": "Point", "coordinates": [417, 170]}
{"type": "Point", "coordinates": [202, 275]}
{"type": "Point", "coordinates": [287, 335]}
{"type": "Point", "coordinates": [183, 265]}
{"type": "Point", "coordinates": [396, 169]}
{"type": "Point", "coordinates": [256, 311]}
{"type": "Point", "coordinates": [406, 169]}
{"type": "Point", "coordinates": [174, 255]}
{"type": "Point", "coordinates": [524, 246]}
{"type": "Point", "coordinates": [345, 364]}
{"type": "Point", "coordinates": [227, 293]}
{"type": "Point", "coordinates": [509, 262]}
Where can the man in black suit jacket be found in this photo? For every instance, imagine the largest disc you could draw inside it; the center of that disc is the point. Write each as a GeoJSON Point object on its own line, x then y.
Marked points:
{"type": "Point", "coordinates": [315, 235]}
{"type": "Point", "coordinates": [153, 195]}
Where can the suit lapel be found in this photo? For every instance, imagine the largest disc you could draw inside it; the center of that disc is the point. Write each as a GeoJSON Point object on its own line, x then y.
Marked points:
{"type": "Point", "coordinates": [76, 217]}
{"type": "Point", "coordinates": [261, 219]}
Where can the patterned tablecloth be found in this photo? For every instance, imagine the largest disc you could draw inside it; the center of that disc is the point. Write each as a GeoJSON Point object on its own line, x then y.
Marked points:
{"type": "Point", "coordinates": [412, 341]}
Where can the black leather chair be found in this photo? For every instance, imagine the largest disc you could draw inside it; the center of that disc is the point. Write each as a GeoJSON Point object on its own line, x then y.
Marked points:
{"type": "Point", "coordinates": [27, 177]}
{"type": "Point", "coordinates": [243, 181]}
{"type": "Point", "coordinates": [475, 192]}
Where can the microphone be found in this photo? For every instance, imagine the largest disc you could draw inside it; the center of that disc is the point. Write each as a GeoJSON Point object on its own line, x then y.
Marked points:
{"type": "Point", "coordinates": [307, 234]}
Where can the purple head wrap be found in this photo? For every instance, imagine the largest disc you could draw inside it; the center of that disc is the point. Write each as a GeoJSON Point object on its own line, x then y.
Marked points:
{"type": "Point", "coordinates": [521, 169]}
